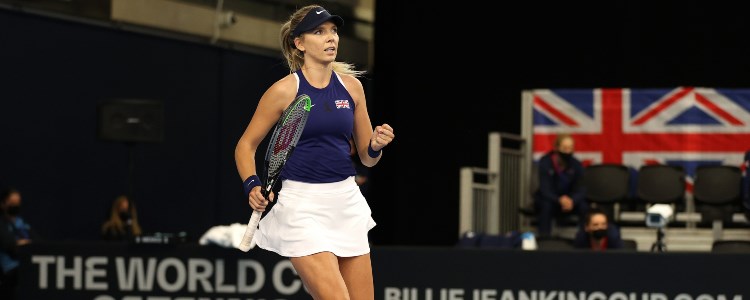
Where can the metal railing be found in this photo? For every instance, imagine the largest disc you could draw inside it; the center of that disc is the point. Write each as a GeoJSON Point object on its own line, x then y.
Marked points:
{"type": "Point", "coordinates": [490, 197]}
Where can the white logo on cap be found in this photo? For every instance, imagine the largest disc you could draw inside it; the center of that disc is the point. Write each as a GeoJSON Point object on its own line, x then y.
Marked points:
{"type": "Point", "coordinates": [318, 12]}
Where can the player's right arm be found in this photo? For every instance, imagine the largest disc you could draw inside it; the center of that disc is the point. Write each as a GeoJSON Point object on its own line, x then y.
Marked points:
{"type": "Point", "coordinates": [269, 109]}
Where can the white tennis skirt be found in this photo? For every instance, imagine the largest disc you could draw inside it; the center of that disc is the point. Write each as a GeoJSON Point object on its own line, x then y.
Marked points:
{"type": "Point", "coordinates": [309, 218]}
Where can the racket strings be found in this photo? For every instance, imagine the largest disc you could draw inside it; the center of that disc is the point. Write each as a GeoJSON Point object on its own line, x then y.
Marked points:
{"type": "Point", "coordinates": [287, 135]}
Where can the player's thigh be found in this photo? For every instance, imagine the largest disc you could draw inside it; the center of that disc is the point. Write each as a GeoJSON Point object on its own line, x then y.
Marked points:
{"type": "Point", "coordinates": [321, 276]}
{"type": "Point", "coordinates": [357, 273]}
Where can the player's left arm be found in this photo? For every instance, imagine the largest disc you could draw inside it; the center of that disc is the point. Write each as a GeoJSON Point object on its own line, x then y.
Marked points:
{"type": "Point", "coordinates": [365, 136]}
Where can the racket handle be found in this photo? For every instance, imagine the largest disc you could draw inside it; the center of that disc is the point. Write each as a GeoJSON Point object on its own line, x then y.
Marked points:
{"type": "Point", "coordinates": [252, 225]}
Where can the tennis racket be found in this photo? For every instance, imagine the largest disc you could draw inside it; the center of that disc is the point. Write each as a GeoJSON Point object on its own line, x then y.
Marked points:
{"type": "Point", "coordinates": [285, 135]}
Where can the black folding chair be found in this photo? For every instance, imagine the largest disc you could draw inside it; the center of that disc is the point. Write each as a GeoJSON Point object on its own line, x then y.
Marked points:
{"type": "Point", "coordinates": [607, 186]}
{"type": "Point", "coordinates": [661, 184]}
{"type": "Point", "coordinates": [716, 193]}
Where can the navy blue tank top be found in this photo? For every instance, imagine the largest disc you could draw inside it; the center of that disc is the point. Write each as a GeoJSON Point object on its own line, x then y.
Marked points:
{"type": "Point", "coordinates": [322, 152]}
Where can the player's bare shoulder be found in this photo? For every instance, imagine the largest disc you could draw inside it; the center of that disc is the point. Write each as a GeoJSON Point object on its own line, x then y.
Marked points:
{"type": "Point", "coordinates": [282, 92]}
{"type": "Point", "coordinates": [352, 83]}
{"type": "Point", "coordinates": [354, 87]}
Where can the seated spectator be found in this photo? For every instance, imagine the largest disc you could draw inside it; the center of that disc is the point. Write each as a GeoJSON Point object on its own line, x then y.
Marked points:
{"type": "Point", "coordinates": [122, 224]}
{"type": "Point", "coordinates": [598, 233]}
{"type": "Point", "coordinates": [14, 233]}
{"type": "Point", "coordinates": [561, 190]}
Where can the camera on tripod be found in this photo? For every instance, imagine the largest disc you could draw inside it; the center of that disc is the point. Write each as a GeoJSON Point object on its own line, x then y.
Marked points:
{"type": "Point", "coordinates": [659, 215]}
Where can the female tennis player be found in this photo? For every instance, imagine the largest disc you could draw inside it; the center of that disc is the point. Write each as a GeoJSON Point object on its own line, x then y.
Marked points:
{"type": "Point", "coordinates": [321, 219]}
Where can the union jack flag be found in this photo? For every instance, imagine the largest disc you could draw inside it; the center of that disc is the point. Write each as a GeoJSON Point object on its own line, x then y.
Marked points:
{"type": "Point", "coordinates": [342, 103]}
{"type": "Point", "coordinates": [685, 126]}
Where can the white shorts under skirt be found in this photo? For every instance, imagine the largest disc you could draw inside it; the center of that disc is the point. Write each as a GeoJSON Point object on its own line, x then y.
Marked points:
{"type": "Point", "coordinates": [309, 218]}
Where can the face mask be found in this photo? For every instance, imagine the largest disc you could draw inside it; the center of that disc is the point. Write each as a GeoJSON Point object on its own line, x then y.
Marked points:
{"type": "Point", "coordinates": [599, 233]}
{"type": "Point", "coordinates": [13, 210]}
{"type": "Point", "coordinates": [566, 156]}
{"type": "Point", "coordinates": [124, 215]}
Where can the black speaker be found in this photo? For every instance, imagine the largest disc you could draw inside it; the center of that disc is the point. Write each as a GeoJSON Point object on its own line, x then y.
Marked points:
{"type": "Point", "coordinates": [131, 120]}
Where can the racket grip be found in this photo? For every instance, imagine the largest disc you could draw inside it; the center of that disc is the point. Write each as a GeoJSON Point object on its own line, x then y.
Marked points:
{"type": "Point", "coordinates": [252, 225]}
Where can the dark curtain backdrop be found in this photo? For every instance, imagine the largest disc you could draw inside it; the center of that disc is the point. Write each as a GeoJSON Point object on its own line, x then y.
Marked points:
{"type": "Point", "coordinates": [54, 74]}
{"type": "Point", "coordinates": [446, 75]}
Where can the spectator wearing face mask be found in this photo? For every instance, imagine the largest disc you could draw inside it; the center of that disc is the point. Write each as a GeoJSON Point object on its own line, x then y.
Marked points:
{"type": "Point", "coordinates": [561, 191]}
{"type": "Point", "coordinates": [598, 233]}
{"type": "Point", "coordinates": [122, 224]}
{"type": "Point", "coordinates": [14, 233]}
